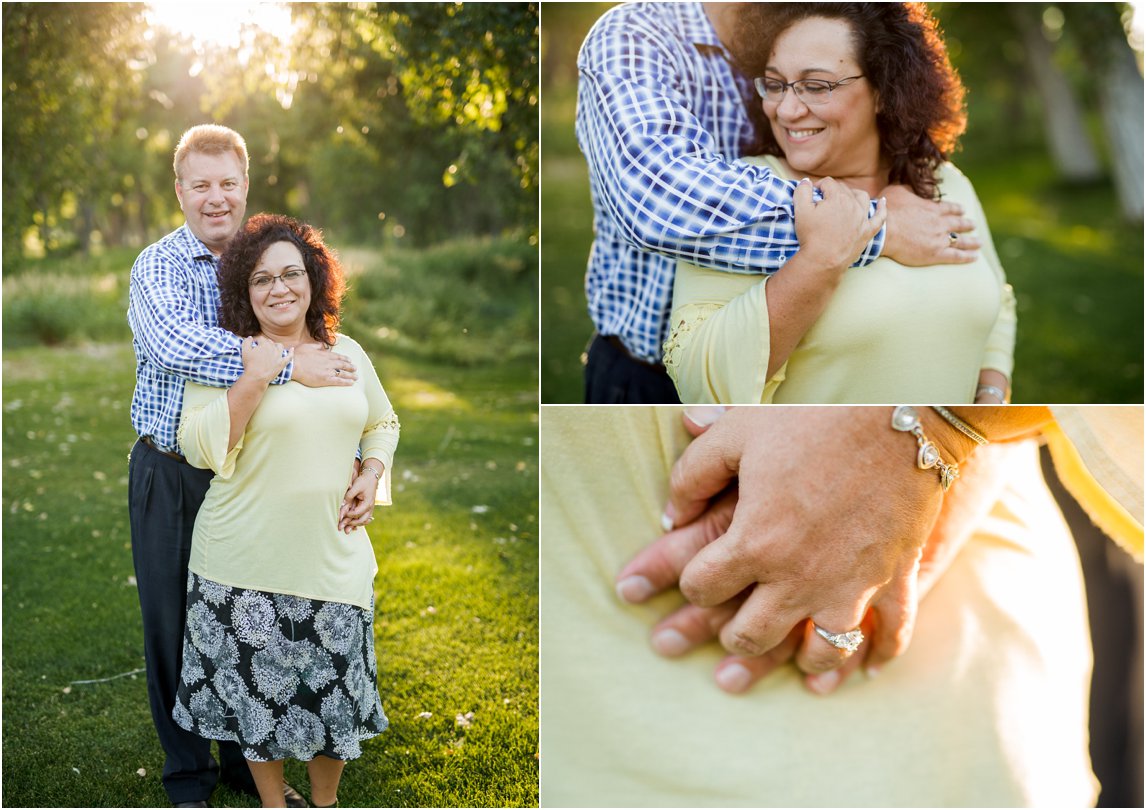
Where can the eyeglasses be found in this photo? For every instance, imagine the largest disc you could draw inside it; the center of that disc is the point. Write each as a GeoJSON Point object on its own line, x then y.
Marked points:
{"type": "Point", "coordinates": [809, 91]}
{"type": "Point", "coordinates": [290, 278]}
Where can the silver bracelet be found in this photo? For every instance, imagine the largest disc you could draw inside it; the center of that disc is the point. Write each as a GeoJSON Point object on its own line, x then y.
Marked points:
{"type": "Point", "coordinates": [994, 391]}
{"type": "Point", "coordinates": [368, 468]}
{"type": "Point", "coordinates": [905, 418]}
{"type": "Point", "coordinates": [960, 425]}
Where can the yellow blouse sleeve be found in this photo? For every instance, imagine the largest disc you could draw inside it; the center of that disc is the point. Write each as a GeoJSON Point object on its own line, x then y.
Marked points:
{"type": "Point", "coordinates": [205, 430]}
{"type": "Point", "coordinates": [380, 436]}
{"type": "Point", "coordinates": [1000, 350]}
{"type": "Point", "coordinates": [1097, 452]}
{"type": "Point", "coordinates": [719, 340]}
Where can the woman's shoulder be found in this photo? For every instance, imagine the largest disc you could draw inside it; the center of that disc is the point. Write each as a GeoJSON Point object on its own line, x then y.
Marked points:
{"type": "Point", "coordinates": [951, 179]}
{"type": "Point", "coordinates": [343, 341]}
{"type": "Point", "coordinates": [351, 347]}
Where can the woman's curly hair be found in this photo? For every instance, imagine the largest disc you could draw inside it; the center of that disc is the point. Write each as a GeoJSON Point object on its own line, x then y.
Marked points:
{"type": "Point", "coordinates": [921, 111]}
{"type": "Point", "coordinates": [327, 283]}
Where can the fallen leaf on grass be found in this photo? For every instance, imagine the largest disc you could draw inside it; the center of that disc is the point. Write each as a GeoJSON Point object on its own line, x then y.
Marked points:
{"type": "Point", "coordinates": [425, 715]}
{"type": "Point", "coordinates": [141, 772]}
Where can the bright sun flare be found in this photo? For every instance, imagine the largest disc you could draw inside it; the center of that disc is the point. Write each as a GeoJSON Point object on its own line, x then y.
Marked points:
{"type": "Point", "coordinates": [218, 24]}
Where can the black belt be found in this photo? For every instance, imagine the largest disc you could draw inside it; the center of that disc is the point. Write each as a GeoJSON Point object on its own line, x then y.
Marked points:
{"type": "Point", "coordinates": [147, 440]}
{"type": "Point", "coordinates": [616, 343]}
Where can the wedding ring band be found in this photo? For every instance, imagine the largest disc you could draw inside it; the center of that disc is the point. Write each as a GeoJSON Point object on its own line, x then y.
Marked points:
{"type": "Point", "coordinates": [337, 371]}
{"type": "Point", "coordinates": [849, 641]}
{"type": "Point", "coordinates": [952, 238]}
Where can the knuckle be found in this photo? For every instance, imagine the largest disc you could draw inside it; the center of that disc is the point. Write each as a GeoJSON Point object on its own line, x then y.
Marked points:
{"type": "Point", "coordinates": [740, 642]}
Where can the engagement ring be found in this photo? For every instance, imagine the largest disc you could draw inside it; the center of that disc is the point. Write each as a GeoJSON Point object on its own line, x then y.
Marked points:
{"type": "Point", "coordinates": [849, 641]}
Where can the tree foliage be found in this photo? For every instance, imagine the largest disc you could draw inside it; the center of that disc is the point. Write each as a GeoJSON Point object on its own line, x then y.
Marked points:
{"type": "Point", "coordinates": [385, 121]}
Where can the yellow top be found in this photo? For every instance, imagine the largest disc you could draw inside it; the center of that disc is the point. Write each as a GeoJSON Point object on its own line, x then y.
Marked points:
{"type": "Point", "coordinates": [270, 519]}
{"type": "Point", "coordinates": [890, 333]}
{"type": "Point", "coordinates": [987, 708]}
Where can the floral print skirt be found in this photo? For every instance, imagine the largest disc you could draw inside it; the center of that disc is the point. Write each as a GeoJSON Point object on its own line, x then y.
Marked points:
{"type": "Point", "coordinates": [283, 676]}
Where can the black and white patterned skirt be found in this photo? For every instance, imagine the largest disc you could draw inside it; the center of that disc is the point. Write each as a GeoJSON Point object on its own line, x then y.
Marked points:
{"type": "Point", "coordinates": [283, 676]}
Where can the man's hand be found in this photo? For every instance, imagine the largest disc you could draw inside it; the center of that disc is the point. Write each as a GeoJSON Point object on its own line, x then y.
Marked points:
{"type": "Point", "coordinates": [889, 623]}
{"type": "Point", "coordinates": [315, 366]}
{"type": "Point", "coordinates": [833, 512]}
{"type": "Point", "coordinates": [919, 231]}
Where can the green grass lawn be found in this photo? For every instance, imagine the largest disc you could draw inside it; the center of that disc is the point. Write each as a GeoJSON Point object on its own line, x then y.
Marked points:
{"type": "Point", "coordinates": [1075, 266]}
{"type": "Point", "coordinates": [456, 626]}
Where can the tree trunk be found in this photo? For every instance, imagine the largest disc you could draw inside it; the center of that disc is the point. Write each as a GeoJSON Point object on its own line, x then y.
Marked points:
{"type": "Point", "coordinates": [1120, 100]}
{"type": "Point", "coordinates": [1070, 145]}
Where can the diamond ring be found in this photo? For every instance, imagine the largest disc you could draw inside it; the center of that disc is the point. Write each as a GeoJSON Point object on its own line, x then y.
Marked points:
{"type": "Point", "coordinates": [952, 238]}
{"type": "Point", "coordinates": [850, 641]}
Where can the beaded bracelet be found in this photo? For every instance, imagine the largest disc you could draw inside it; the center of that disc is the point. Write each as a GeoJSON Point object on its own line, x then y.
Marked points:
{"type": "Point", "coordinates": [906, 419]}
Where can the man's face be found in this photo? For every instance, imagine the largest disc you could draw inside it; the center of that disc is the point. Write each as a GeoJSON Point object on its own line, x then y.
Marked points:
{"type": "Point", "coordinates": [212, 192]}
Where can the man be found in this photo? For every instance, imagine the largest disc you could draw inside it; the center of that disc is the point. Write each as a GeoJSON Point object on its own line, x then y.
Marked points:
{"type": "Point", "coordinates": [172, 312]}
{"type": "Point", "coordinates": [661, 114]}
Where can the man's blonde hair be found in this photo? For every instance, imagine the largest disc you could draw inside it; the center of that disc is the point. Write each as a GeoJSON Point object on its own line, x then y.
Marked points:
{"type": "Point", "coordinates": [211, 139]}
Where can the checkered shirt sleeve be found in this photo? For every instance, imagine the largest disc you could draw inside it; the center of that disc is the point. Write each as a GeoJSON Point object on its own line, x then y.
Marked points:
{"type": "Point", "coordinates": [173, 313]}
{"type": "Point", "coordinates": [661, 119]}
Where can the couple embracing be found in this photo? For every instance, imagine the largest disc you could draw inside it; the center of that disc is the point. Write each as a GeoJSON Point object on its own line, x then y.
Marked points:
{"type": "Point", "coordinates": [777, 221]}
{"type": "Point", "coordinates": [265, 440]}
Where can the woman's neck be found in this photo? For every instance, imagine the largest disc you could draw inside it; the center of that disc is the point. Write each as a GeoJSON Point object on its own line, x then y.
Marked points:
{"type": "Point", "coordinates": [873, 184]}
{"type": "Point", "coordinates": [290, 339]}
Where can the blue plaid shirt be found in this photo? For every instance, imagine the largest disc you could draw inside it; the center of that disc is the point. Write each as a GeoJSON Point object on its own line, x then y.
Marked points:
{"type": "Point", "coordinates": [173, 312]}
{"type": "Point", "coordinates": [661, 117]}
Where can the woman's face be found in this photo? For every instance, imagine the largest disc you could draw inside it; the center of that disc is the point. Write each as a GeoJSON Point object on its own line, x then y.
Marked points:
{"type": "Point", "coordinates": [838, 138]}
{"type": "Point", "coordinates": [280, 306]}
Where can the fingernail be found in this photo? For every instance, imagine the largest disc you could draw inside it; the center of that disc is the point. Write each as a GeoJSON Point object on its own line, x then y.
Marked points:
{"type": "Point", "coordinates": [670, 643]}
{"type": "Point", "coordinates": [734, 678]}
{"type": "Point", "coordinates": [634, 589]}
{"type": "Point", "coordinates": [872, 671]}
{"type": "Point", "coordinates": [704, 415]}
{"type": "Point", "coordinates": [666, 522]}
{"type": "Point", "coordinates": [825, 682]}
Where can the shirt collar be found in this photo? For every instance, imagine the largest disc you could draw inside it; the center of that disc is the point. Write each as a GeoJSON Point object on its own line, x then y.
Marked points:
{"type": "Point", "coordinates": [197, 248]}
{"type": "Point", "coordinates": [696, 26]}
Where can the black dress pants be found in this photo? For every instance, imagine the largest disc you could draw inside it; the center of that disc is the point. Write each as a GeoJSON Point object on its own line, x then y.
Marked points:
{"type": "Point", "coordinates": [612, 376]}
{"type": "Point", "coordinates": [164, 495]}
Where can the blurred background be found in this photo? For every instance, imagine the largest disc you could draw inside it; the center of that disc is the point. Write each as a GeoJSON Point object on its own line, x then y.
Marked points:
{"type": "Point", "coordinates": [1054, 147]}
{"type": "Point", "coordinates": [408, 132]}
{"type": "Point", "coordinates": [396, 128]}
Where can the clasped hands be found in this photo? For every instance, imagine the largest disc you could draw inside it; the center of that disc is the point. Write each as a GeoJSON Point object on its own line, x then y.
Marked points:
{"type": "Point", "coordinates": [781, 517]}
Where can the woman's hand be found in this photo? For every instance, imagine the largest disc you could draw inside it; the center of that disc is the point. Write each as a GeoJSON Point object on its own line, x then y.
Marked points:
{"type": "Point", "coordinates": [264, 359]}
{"type": "Point", "coordinates": [834, 231]}
{"type": "Point", "coordinates": [358, 502]}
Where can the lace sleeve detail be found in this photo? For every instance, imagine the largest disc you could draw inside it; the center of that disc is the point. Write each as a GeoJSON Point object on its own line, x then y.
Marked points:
{"type": "Point", "coordinates": [388, 423]}
{"type": "Point", "coordinates": [188, 416]}
{"type": "Point", "coordinates": [680, 335]}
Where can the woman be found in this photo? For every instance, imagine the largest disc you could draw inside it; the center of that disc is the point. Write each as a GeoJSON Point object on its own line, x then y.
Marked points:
{"type": "Point", "coordinates": [279, 648]}
{"type": "Point", "coordinates": [862, 93]}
